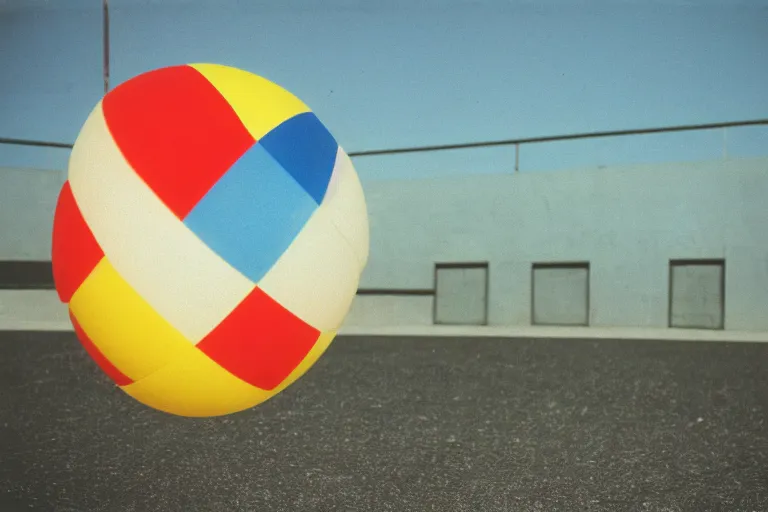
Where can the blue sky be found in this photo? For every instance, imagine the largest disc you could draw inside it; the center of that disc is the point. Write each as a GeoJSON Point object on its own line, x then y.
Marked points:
{"type": "Point", "coordinates": [397, 73]}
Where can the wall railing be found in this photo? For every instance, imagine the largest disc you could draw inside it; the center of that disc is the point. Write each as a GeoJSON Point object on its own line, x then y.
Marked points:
{"type": "Point", "coordinates": [517, 142]}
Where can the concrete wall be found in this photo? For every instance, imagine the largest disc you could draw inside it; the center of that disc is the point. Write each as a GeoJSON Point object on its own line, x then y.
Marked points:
{"type": "Point", "coordinates": [27, 202]}
{"type": "Point", "coordinates": [390, 310]}
{"type": "Point", "coordinates": [32, 310]}
{"type": "Point", "coordinates": [627, 223]}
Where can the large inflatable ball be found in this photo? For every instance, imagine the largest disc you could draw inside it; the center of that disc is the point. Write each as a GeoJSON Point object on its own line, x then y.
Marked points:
{"type": "Point", "coordinates": [209, 238]}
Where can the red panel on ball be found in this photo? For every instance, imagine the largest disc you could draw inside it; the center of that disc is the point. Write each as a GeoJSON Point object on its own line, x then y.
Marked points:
{"type": "Point", "coordinates": [260, 341]}
{"type": "Point", "coordinates": [177, 132]}
{"type": "Point", "coordinates": [103, 363]}
{"type": "Point", "coordinates": [75, 251]}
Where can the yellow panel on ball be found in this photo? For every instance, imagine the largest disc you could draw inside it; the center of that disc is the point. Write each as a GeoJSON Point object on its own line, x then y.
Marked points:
{"type": "Point", "coordinates": [130, 334]}
{"type": "Point", "coordinates": [260, 104]}
{"type": "Point", "coordinates": [194, 385]}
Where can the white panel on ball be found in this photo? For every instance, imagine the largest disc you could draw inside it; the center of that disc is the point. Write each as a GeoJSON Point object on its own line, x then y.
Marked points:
{"type": "Point", "coordinates": [172, 269]}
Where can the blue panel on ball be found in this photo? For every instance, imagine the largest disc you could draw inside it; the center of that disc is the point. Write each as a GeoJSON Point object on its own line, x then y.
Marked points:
{"type": "Point", "coordinates": [252, 214]}
{"type": "Point", "coordinates": [306, 150]}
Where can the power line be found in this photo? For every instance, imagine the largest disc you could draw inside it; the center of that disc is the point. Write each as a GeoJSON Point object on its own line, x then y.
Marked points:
{"type": "Point", "coordinates": [479, 144]}
{"type": "Point", "coordinates": [554, 138]}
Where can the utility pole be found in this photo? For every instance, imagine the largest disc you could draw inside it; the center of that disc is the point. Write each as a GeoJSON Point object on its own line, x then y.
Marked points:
{"type": "Point", "coordinates": [106, 44]}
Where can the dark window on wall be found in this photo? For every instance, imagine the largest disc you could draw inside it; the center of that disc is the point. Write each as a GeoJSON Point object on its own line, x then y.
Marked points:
{"type": "Point", "coordinates": [461, 293]}
{"type": "Point", "coordinates": [26, 275]}
{"type": "Point", "coordinates": [560, 294]}
{"type": "Point", "coordinates": [697, 294]}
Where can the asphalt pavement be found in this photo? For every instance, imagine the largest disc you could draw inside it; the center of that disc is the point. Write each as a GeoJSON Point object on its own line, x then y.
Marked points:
{"type": "Point", "coordinates": [403, 424]}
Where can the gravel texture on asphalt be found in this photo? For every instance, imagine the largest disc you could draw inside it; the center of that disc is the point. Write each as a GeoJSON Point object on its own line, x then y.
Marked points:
{"type": "Point", "coordinates": [403, 424]}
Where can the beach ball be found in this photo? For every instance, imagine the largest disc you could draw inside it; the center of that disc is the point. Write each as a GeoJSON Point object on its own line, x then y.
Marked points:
{"type": "Point", "coordinates": [209, 239]}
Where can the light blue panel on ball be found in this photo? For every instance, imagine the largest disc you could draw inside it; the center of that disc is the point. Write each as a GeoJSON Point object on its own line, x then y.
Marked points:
{"type": "Point", "coordinates": [252, 214]}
